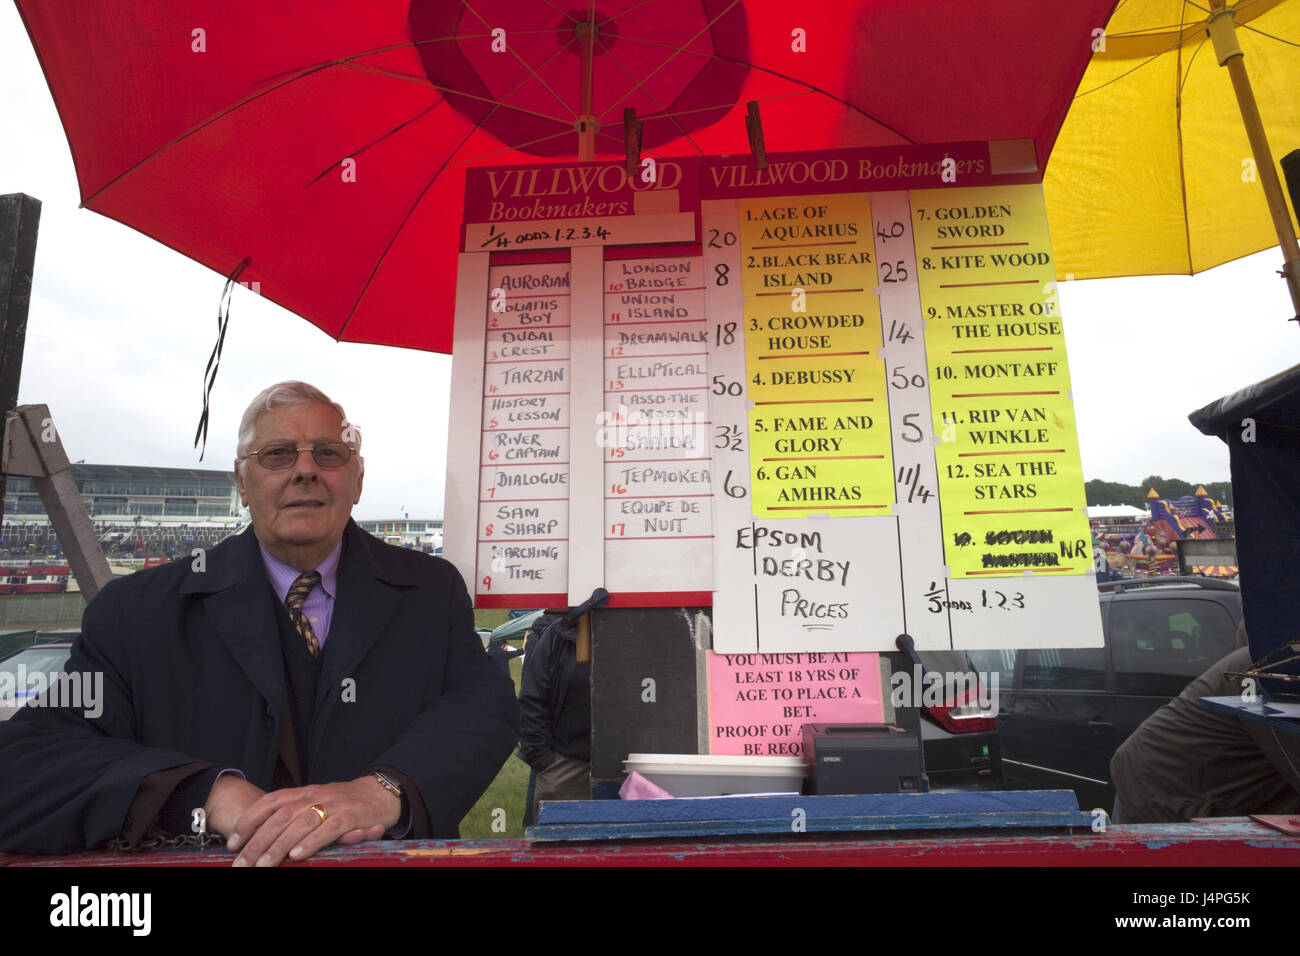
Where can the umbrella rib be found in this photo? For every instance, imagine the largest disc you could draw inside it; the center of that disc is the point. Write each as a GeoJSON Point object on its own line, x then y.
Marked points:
{"type": "Point", "coordinates": [1187, 72]}
{"type": "Point", "coordinates": [374, 51]}
{"type": "Point", "coordinates": [1190, 28]}
{"type": "Point", "coordinates": [708, 26]}
{"type": "Point", "coordinates": [664, 114]}
{"type": "Point", "coordinates": [816, 89]}
{"type": "Point", "coordinates": [1147, 62]}
{"type": "Point", "coordinates": [441, 88]}
{"type": "Point", "coordinates": [495, 103]}
{"type": "Point", "coordinates": [646, 41]}
{"type": "Point", "coordinates": [662, 111]}
{"type": "Point", "coordinates": [402, 225]}
{"type": "Point", "coordinates": [517, 86]}
{"type": "Point", "coordinates": [375, 142]}
{"type": "Point", "coordinates": [630, 9]}
{"type": "Point", "coordinates": [221, 114]}
{"type": "Point", "coordinates": [522, 62]}
{"type": "Point", "coordinates": [1265, 33]}
{"type": "Point", "coordinates": [397, 232]}
{"type": "Point", "coordinates": [194, 129]}
{"type": "Point", "coordinates": [509, 149]}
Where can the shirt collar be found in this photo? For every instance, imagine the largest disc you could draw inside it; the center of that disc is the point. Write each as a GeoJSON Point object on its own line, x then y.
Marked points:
{"type": "Point", "coordinates": [283, 575]}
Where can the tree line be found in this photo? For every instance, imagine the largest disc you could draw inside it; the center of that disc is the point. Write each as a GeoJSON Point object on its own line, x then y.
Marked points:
{"type": "Point", "coordinates": [1117, 493]}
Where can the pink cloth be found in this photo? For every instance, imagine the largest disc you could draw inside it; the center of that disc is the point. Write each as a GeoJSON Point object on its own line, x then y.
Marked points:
{"type": "Point", "coordinates": [637, 787]}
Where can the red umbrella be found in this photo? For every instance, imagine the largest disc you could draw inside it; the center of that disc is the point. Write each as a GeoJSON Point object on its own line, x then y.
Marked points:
{"type": "Point", "coordinates": [327, 143]}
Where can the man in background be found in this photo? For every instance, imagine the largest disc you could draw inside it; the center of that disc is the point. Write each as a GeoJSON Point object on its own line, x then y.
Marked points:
{"type": "Point", "coordinates": [1187, 761]}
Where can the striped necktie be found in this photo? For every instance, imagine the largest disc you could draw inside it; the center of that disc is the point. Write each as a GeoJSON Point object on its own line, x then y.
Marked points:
{"type": "Point", "coordinates": [298, 592]}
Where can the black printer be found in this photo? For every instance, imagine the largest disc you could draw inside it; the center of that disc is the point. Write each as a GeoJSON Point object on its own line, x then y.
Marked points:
{"type": "Point", "coordinates": [863, 758]}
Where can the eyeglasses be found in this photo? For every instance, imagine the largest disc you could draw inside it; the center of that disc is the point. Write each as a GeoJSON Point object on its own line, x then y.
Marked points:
{"type": "Point", "coordinates": [330, 454]}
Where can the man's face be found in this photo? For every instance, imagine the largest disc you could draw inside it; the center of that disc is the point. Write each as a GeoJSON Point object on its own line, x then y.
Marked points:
{"type": "Point", "coordinates": [304, 506]}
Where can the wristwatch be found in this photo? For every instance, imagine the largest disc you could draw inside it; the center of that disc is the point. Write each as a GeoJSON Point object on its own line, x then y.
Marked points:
{"type": "Point", "coordinates": [391, 785]}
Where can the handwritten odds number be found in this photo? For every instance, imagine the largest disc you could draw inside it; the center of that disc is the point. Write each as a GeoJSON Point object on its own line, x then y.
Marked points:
{"type": "Point", "coordinates": [728, 437]}
{"type": "Point", "coordinates": [722, 387]}
{"type": "Point", "coordinates": [728, 239]}
{"type": "Point", "coordinates": [899, 380]}
{"type": "Point", "coordinates": [909, 424]}
{"type": "Point", "coordinates": [733, 491]}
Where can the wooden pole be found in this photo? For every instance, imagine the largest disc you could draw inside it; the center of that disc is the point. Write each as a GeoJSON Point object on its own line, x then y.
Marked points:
{"type": "Point", "coordinates": [20, 218]}
{"type": "Point", "coordinates": [32, 447]}
{"type": "Point", "coordinates": [1223, 32]}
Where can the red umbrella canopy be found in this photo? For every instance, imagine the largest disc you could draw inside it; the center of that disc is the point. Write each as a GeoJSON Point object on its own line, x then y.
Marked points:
{"type": "Point", "coordinates": [681, 66]}
{"type": "Point", "coordinates": [327, 142]}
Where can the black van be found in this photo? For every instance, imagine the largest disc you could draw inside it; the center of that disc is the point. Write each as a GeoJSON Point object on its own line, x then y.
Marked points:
{"type": "Point", "coordinates": [1063, 712]}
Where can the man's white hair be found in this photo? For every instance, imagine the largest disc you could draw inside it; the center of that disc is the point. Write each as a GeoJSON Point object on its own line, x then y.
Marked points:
{"type": "Point", "coordinates": [289, 395]}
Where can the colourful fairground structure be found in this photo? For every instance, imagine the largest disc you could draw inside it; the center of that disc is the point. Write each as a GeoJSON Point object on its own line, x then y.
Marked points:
{"type": "Point", "coordinates": [1140, 544]}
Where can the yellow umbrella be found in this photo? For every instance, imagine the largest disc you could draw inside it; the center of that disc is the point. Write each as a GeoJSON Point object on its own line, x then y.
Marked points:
{"type": "Point", "coordinates": [1153, 171]}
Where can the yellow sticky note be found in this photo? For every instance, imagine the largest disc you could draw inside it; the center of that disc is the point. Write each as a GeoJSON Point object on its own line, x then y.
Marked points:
{"type": "Point", "coordinates": [1044, 541]}
{"type": "Point", "coordinates": [814, 458]}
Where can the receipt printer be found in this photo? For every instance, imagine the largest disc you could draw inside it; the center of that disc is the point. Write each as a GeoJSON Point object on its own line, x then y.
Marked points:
{"type": "Point", "coordinates": [862, 758]}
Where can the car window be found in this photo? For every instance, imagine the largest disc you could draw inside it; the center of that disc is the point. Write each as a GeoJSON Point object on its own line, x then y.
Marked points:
{"type": "Point", "coordinates": [43, 660]}
{"type": "Point", "coordinates": [1158, 646]}
{"type": "Point", "coordinates": [1055, 668]}
{"type": "Point", "coordinates": [959, 674]}
{"type": "Point", "coordinates": [1000, 662]}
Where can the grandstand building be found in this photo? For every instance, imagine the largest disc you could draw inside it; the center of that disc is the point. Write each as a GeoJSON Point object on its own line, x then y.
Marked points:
{"type": "Point", "coordinates": [141, 512]}
{"type": "Point", "coordinates": [138, 511]}
{"type": "Point", "coordinates": [420, 534]}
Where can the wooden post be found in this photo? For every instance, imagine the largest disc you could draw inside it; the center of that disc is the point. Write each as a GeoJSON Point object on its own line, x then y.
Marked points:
{"type": "Point", "coordinates": [32, 447]}
{"type": "Point", "coordinates": [20, 218]}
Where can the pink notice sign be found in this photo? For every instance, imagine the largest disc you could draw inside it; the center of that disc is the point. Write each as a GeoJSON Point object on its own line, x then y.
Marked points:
{"type": "Point", "coordinates": [758, 703]}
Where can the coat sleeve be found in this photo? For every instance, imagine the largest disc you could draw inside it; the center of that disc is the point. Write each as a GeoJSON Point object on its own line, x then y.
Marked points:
{"type": "Point", "coordinates": [536, 745]}
{"type": "Point", "coordinates": [453, 750]}
{"type": "Point", "coordinates": [69, 774]}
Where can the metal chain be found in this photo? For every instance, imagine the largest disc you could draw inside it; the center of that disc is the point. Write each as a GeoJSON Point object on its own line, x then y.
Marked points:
{"type": "Point", "coordinates": [204, 839]}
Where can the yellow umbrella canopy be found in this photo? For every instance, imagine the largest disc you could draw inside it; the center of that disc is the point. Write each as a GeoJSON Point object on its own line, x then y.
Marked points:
{"type": "Point", "coordinates": [1153, 172]}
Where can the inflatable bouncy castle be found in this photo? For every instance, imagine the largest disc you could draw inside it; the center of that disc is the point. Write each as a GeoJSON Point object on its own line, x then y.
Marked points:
{"type": "Point", "coordinates": [1192, 516]}
{"type": "Point", "coordinates": [1152, 548]}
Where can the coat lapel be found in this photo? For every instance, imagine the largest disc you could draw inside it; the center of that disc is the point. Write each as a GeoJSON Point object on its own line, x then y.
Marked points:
{"type": "Point", "coordinates": [369, 590]}
{"type": "Point", "coordinates": [238, 603]}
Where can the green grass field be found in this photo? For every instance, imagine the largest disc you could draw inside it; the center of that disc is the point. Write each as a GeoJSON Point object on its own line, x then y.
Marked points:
{"type": "Point", "coordinates": [490, 619]}
{"type": "Point", "coordinates": [508, 790]}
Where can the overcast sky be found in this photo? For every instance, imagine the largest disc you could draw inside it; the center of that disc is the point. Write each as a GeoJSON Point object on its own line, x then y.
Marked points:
{"type": "Point", "coordinates": [121, 328]}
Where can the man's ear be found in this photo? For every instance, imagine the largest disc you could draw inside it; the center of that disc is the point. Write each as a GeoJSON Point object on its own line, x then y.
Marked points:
{"type": "Point", "coordinates": [361, 477]}
{"type": "Point", "coordinates": [239, 483]}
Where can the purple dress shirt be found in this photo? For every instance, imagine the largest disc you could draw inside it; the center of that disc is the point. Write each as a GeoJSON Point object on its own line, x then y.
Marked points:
{"type": "Point", "coordinates": [319, 606]}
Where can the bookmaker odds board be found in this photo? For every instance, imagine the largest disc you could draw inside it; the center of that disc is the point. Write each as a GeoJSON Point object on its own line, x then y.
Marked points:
{"type": "Point", "coordinates": [829, 398]}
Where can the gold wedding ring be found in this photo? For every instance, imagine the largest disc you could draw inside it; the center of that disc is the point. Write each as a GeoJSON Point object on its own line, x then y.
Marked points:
{"type": "Point", "coordinates": [320, 811]}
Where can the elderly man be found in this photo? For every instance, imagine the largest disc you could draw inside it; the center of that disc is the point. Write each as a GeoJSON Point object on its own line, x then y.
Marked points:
{"type": "Point", "coordinates": [302, 684]}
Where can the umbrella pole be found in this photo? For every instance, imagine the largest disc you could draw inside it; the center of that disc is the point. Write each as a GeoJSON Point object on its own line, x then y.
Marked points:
{"type": "Point", "coordinates": [1223, 31]}
{"type": "Point", "coordinates": [586, 33]}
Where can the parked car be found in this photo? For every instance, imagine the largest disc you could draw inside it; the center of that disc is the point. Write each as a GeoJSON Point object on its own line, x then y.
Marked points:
{"type": "Point", "coordinates": [48, 658]}
{"type": "Point", "coordinates": [514, 629]}
{"type": "Point", "coordinates": [960, 746]}
{"type": "Point", "coordinates": [1065, 711]}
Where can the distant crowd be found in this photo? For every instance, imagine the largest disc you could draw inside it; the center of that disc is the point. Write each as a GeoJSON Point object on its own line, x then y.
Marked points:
{"type": "Point", "coordinates": [39, 542]}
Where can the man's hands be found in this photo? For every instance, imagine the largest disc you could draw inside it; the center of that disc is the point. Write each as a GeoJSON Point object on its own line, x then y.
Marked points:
{"type": "Point", "coordinates": [229, 797]}
{"type": "Point", "coordinates": [280, 825]}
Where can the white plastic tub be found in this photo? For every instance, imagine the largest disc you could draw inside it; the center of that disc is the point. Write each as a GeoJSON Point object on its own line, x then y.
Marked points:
{"type": "Point", "coordinates": [709, 775]}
